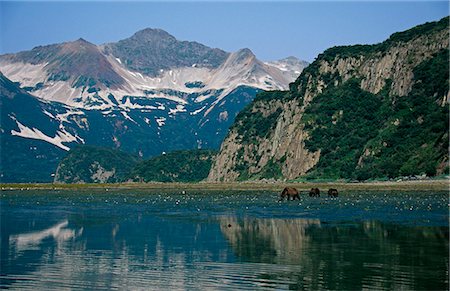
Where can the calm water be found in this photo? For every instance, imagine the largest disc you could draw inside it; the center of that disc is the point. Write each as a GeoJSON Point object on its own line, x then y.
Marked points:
{"type": "Point", "coordinates": [223, 240]}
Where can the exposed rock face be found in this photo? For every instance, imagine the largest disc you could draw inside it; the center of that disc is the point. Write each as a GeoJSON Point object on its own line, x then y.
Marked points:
{"type": "Point", "coordinates": [281, 152]}
{"type": "Point", "coordinates": [396, 64]}
{"type": "Point", "coordinates": [101, 175]}
{"type": "Point", "coordinates": [283, 144]}
{"type": "Point", "coordinates": [150, 50]}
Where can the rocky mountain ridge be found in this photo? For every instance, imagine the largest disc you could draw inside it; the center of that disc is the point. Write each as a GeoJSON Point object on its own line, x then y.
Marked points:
{"type": "Point", "coordinates": [278, 135]}
{"type": "Point", "coordinates": [150, 64]}
{"type": "Point", "coordinates": [149, 51]}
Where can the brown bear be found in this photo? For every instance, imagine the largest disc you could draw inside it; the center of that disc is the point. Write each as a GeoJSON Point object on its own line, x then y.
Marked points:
{"type": "Point", "coordinates": [289, 192]}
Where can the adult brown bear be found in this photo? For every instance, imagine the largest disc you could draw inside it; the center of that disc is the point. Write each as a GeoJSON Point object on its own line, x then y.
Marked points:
{"type": "Point", "coordinates": [333, 192]}
{"type": "Point", "coordinates": [289, 192]}
{"type": "Point", "coordinates": [314, 192]}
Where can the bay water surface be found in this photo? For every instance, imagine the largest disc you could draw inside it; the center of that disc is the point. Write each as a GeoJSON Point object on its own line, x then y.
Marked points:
{"type": "Point", "coordinates": [216, 240]}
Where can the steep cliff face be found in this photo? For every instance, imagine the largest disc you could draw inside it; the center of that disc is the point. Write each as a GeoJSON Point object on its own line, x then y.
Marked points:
{"type": "Point", "coordinates": [264, 142]}
{"type": "Point", "coordinates": [353, 108]}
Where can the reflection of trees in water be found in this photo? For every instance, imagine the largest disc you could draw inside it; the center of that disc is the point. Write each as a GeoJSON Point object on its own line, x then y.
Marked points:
{"type": "Point", "coordinates": [353, 256]}
{"type": "Point", "coordinates": [267, 240]}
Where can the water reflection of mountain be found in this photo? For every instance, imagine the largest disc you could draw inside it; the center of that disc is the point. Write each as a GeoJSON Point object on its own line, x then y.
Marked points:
{"type": "Point", "coordinates": [23, 252]}
{"type": "Point", "coordinates": [58, 232]}
{"type": "Point", "coordinates": [128, 253]}
{"type": "Point", "coordinates": [344, 256]}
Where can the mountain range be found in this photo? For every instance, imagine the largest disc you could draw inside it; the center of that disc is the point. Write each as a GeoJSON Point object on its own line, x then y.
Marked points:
{"type": "Point", "coordinates": [357, 112]}
{"type": "Point", "coordinates": [144, 95]}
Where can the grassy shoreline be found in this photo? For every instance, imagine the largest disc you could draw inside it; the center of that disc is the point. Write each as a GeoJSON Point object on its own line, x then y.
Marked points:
{"type": "Point", "coordinates": [421, 185]}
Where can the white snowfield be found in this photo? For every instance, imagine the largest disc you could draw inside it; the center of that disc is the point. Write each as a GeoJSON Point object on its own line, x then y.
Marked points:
{"type": "Point", "coordinates": [60, 136]}
{"type": "Point", "coordinates": [241, 68]}
{"type": "Point", "coordinates": [27, 74]}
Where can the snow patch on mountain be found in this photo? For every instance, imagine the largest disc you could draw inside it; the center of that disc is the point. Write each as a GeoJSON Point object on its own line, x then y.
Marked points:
{"type": "Point", "coordinates": [291, 67]}
{"type": "Point", "coordinates": [178, 108]}
{"type": "Point", "coordinates": [128, 117]}
{"type": "Point", "coordinates": [202, 98]}
{"type": "Point", "coordinates": [195, 112]}
{"type": "Point", "coordinates": [34, 133]}
{"type": "Point", "coordinates": [26, 73]}
{"type": "Point", "coordinates": [57, 91]}
{"type": "Point", "coordinates": [174, 79]}
{"type": "Point", "coordinates": [49, 114]}
{"type": "Point", "coordinates": [64, 117]}
{"type": "Point", "coordinates": [160, 121]}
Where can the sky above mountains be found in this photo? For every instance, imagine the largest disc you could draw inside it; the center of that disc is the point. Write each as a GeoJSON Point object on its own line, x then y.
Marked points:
{"type": "Point", "coordinates": [272, 30]}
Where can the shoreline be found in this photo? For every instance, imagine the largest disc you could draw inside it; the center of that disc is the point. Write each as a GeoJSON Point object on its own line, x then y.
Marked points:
{"type": "Point", "coordinates": [421, 185]}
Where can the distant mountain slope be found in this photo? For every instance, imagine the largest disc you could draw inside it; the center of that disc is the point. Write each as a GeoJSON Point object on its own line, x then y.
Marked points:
{"type": "Point", "coordinates": [35, 134]}
{"type": "Point", "coordinates": [144, 95]}
{"type": "Point", "coordinates": [357, 112]}
{"type": "Point", "coordinates": [291, 67]}
{"type": "Point", "coordinates": [80, 63]}
{"type": "Point", "coordinates": [28, 154]}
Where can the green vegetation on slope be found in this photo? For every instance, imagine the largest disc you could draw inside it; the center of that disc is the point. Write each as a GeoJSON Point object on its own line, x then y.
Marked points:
{"type": "Point", "coordinates": [428, 28]}
{"type": "Point", "coordinates": [253, 124]}
{"type": "Point", "coordinates": [177, 166]}
{"type": "Point", "coordinates": [419, 144]}
{"type": "Point", "coordinates": [298, 88]}
{"type": "Point", "coordinates": [90, 164]}
{"type": "Point", "coordinates": [362, 135]}
{"type": "Point", "coordinates": [341, 121]}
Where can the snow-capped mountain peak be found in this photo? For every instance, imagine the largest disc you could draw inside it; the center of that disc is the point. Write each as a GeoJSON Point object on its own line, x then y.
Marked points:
{"type": "Point", "coordinates": [149, 64]}
{"type": "Point", "coordinates": [145, 94]}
